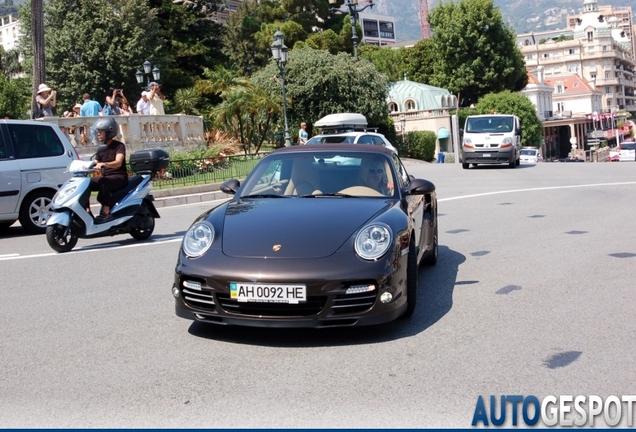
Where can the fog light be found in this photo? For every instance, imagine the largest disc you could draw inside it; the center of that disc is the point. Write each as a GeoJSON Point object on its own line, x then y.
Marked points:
{"type": "Point", "coordinates": [175, 291]}
{"type": "Point", "coordinates": [386, 297]}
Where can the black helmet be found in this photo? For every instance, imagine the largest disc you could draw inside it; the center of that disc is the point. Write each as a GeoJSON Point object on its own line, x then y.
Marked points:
{"type": "Point", "coordinates": [109, 125]}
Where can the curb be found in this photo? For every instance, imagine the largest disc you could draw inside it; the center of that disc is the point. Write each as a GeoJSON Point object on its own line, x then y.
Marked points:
{"type": "Point", "coordinates": [184, 195]}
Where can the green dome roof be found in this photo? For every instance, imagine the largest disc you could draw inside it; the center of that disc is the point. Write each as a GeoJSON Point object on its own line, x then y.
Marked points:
{"type": "Point", "coordinates": [426, 97]}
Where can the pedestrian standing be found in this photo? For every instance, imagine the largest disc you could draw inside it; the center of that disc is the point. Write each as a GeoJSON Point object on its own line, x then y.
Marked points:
{"type": "Point", "coordinates": [90, 108]}
{"type": "Point", "coordinates": [156, 99]}
{"type": "Point", "coordinates": [143, 104]}
{"type": "Point", "coordinates": [45, 99]}
{"type": "Point", "coordinates": [303, 136]}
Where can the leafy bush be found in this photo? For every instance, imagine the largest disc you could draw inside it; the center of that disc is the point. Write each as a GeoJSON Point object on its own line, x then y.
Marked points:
{"type": "Point", "coordinates": [421, 145]}
{"type": "Point", "coordinates": [400, 143]}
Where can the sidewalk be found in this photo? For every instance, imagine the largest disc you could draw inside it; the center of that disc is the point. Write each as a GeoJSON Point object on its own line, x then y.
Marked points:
{"type": "Point", "coordinates": [184, 195]}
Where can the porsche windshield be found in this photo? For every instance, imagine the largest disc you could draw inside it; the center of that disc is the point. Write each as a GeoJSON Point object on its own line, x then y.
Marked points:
{"type": "Point", "coordinates": [321, 174]}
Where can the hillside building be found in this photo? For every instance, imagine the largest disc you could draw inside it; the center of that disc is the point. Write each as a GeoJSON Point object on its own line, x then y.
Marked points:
{"type": "Point", "coordinates": [597, 50]}
{"type": "Point", "coordinates": [377, 29]}
{"type": "Point", "coordinates": [620, 15]}
{"type": "Point", "coordinates": [9, 32]}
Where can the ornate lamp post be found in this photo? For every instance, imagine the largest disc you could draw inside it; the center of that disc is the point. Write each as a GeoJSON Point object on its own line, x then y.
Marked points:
{"type": "Point", "coordinates": [279, 53]}
{"type": "Point", "coordinates": [148, 72]}
{"type": "Point", "coordinates": [354, 10]}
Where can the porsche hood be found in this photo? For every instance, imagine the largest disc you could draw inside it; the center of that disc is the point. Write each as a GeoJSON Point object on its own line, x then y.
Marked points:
{"type": "Point", "coordinates": [294, 227]}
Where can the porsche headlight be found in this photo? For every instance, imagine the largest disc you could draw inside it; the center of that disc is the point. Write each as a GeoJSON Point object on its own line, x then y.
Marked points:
{"type": "Point", "coordinates": [373, 241]}
{"type": "Point", "coordinates": [198, 239]}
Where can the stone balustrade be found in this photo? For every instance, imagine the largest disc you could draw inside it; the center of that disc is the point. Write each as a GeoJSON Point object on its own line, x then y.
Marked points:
{"type": "Point", "coordinates": [138, 131]}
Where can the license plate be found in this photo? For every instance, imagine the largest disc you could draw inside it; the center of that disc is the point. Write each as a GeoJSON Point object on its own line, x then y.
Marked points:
{"type": "Point", "coordinates": [486, 155]}
{"type": "Point", "coordinates": [268, 293]}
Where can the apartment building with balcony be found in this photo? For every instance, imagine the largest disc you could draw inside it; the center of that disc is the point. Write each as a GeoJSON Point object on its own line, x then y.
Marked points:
{"type": "Point", "coordinates": [597, 50]}
{"type": "Point", "coordinates": [377, 29]}
{"type": "Point", "coordinates": [9, 32]}
{"type": "Point", "coordinates": [621, 15]}
{"type": "Point", "coordinates": [228, 7]}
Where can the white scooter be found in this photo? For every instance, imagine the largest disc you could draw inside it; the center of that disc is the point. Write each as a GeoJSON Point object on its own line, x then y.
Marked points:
{"type": "Point", "coordinates": [134, 212]}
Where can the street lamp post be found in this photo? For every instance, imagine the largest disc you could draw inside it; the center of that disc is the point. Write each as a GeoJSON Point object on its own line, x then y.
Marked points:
{"type": "Point", "coordinates": [279, 53]}
{"type": "Point", "coordinates": [354, 10]}
{"type": "Point", "coordinates": [148, 72]}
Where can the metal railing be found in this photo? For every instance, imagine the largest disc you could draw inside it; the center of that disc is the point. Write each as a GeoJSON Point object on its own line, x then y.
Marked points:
{"type": "Point", "coordinates": [190, 172]}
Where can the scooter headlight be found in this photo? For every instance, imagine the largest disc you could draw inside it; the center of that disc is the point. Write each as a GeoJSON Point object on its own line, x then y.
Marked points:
{"type": "Point", "coordinates": [63, 194]}
{"type": "Point", "coordinates": [198, 239]}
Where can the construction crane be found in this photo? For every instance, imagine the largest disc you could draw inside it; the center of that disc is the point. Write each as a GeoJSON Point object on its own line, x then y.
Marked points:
{"type": "Point", "coordinates": [426, 27]}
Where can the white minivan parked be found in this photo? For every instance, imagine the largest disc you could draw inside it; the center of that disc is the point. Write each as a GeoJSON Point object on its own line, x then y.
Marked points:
{"type": "Point", "coordinates": [627, 152]}
{"type": "Point", "coordinates": [34, 160]}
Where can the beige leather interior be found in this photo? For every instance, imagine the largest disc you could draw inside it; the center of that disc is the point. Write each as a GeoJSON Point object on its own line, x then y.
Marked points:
{"type": "Point", "coordinates": [304, 178]}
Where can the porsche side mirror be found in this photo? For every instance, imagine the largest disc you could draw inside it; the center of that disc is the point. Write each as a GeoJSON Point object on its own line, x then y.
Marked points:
{"type": "Point", "coordinates": [230, 187]}
{"type": "Point", "coordinates": [419, 187]}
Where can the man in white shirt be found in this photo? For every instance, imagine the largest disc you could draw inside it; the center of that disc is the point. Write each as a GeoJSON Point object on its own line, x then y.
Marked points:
{"type": "Point", "coordinates": [143, 105]}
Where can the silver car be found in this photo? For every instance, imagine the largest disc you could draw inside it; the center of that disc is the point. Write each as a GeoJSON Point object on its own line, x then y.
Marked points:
{"type": "Point", "coordinates": [34, 157]}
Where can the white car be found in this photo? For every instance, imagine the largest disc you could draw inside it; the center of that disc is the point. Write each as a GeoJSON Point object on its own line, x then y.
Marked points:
{"type": "Point", "coordinates": [348, 128]}
{"type": "Point", "coordinates": [529, 156]}
{"type": "Point", "coordinates": [34, 157]}
{"type": "Point", "coordinates": [627, 152]}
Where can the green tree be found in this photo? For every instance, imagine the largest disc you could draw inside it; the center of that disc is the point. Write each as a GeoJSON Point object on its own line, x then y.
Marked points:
{"type": "Point", "coordinates": [476, 51]}
{"type": "Point", "coordinates": [389, 61]}
{"type": "Point", "coordinates": [15, 97]}
{"type": "Point", "coordinates": [96, 44]}
{"type": "Point", "coordinates": [319, 83]}
{"type": "Point", "coordinates": [239, 39]}
{"type": "Point", "coordinates": [308, 23]}
{"type": "Point", "coordinates": [507, 102]}
{"type": "Point", "coordinates": [193, 41]}
{"type": "Point", "coordinates": [420, 60]}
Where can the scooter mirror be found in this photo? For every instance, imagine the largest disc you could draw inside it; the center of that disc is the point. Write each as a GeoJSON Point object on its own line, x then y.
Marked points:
{"type": "Point", "coordinates": [102, 148]}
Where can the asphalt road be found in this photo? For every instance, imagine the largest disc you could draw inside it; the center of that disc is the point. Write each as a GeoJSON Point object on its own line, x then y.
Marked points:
{"type": "Point", "coordinates": [533, 294]}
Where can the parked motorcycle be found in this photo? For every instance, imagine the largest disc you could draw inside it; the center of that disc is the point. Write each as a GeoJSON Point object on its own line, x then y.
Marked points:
{"type": "Point", "coordinates": [134, 212]}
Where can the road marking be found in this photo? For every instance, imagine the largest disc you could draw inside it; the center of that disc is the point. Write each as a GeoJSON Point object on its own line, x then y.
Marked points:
{"type": "Point", "coordinates": [534, 189]}
{"type": "Point", "coordinates": [87, 249]}
{"type": "Point", "coordinates": [96, 248]}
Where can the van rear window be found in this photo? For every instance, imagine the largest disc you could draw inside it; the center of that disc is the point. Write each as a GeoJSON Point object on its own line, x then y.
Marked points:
{"type": "Point", "coordinates": [34, 141]}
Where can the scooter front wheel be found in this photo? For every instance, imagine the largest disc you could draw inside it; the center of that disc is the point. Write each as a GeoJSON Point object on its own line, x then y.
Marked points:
{"type": "Point", "coordinates": [60, 238]}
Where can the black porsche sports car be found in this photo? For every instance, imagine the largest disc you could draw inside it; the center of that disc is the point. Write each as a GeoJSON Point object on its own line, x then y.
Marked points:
{"type": "Point", "coordinates": [316, 236]}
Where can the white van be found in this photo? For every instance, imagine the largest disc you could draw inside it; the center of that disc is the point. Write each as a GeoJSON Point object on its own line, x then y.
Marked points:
{"type": "Point", "coordinates": [34, 157]}
{"type": "Point", "coordinates": [491, 139]}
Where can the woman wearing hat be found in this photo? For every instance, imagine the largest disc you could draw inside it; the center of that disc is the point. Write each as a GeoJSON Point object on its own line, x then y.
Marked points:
{"type": "Point", "coordinates": [46, 100]}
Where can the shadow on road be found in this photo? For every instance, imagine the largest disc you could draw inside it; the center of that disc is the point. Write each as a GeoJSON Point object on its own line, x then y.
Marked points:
{"type": "Point", "coordinates": [435, 299]}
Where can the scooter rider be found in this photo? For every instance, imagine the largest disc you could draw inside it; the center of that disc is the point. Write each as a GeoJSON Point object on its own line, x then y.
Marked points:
{"type": "Point", "coordinates": [113, 162]}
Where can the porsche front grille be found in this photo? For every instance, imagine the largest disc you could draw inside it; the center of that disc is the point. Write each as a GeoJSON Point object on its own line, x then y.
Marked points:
{"type": "Point", "coordinates": [198, 299]}
{"type": "Point", "coordinates": [353, 303]}
{"type": "Point", "coordinates": [312, 306]}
